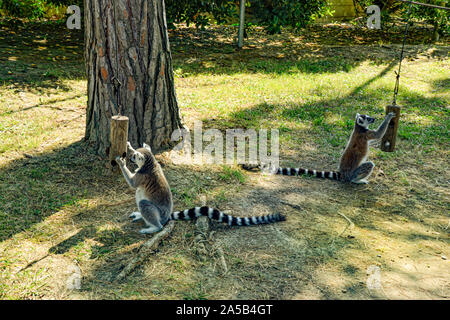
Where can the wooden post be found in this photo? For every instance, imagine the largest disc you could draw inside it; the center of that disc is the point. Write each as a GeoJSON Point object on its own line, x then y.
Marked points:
{"type": "Point", "coordinates": [118, 138]}
{"type": "Point", "coordinates": [389, 139]}
{"type": "Point", "coordinates": [241, 24]}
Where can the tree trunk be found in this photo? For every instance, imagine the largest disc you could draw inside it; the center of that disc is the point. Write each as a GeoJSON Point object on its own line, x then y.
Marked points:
{"type": "Point", "coordinates": [129, 70]}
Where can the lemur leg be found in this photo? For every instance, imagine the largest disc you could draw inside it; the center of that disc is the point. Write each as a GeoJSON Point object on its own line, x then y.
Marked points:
{"type": "Point", "coordinates": [151, 216]}
{"type": "Point", "coordinates": [363, 172]}
{"type": "Point", "coordinates": [136, 216]}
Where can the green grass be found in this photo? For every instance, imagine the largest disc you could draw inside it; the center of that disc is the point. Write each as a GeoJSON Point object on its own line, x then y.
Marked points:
{"type": "Point", "coordinates": [322, 103]}
{"type": "Point", "coordinates": [232, 175]}
{"type": "Point", "coordinates": [60, 206]}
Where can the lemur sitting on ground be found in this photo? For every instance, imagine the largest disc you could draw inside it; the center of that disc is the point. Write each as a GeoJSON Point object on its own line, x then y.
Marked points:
{"type": "Point", "coordinates": [154, 198]}
{"type": "Point", "coordinates": [353, 166]}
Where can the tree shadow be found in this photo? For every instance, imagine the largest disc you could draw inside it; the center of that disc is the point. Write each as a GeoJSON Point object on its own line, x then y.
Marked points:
{"type": "Point", "coordinates": [274, 261]}
{"type": "Point", "coordinates": [267, 261]}
{"type": "Point", "coordinates": [213, 66]}
{"type": "Point", "coordinates": [319, 114]}
{"type": "Point", "coordinates": [107, 241]}
{"type": "Point", "coordinates": [210, 53]}
{"type": "Point", "coordinates": [261, 241]}
{"type": "Point", "coordinates": [37, 187]}
{"type": "Point", "coordinates": [40, 56]}
{"type": "Point", "coordinates": [442, 85]}
{"type": "Point", "coordinates": [48, 104]}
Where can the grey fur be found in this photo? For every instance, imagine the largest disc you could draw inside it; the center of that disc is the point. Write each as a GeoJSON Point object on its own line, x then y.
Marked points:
{"type": "Point", "coordinates": [353, 166]}
{"type": "Point", "coordinates": [153, 195]}
{"type": "Point", "coordinates": [154, 198]}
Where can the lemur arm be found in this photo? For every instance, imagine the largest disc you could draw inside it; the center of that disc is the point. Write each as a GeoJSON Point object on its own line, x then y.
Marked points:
{"type": "Point", "coordinates": [130, 147]}
{"type": "Point", "coordinates": [129, 177]}
{"type": "Point", "coordinates": [379, 133]}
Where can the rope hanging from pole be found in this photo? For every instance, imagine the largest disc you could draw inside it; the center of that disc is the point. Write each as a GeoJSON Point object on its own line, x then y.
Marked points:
{"type": "Point", "coordinates": [397, 81]}
{"type": "Point", "coordinates": [388, 141]}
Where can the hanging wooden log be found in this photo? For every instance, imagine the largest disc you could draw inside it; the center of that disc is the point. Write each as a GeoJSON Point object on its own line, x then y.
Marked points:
{"type": "Point", "coordinates": [389, 139]}
{"type": "Point", "coordinates": [118, 138]}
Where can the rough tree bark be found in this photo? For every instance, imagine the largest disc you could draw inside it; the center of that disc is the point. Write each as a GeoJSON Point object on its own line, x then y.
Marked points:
{"type": "Point", "coordinates": [129, 70]}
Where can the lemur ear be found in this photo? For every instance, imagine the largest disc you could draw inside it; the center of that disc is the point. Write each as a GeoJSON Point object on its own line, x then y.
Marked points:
{"type": "Point", "coordinates": [357, 115]}
{"type": "Point", "coordinates": [146, 146]}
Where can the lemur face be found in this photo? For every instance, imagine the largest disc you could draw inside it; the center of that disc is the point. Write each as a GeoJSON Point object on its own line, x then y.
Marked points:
{"type": "Point", "coordinates": [364, 120]}
{"type": "Point", "coordinates": [138, 158]}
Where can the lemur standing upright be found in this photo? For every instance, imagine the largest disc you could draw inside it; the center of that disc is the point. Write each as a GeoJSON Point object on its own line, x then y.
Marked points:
{"type": "Point", "coordinates": [353, 166]}
{"type": "Point", "coordinates": [154, 198]}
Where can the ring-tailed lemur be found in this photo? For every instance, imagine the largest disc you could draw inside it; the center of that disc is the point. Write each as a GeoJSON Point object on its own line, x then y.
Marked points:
{"type": "Point", "coordinates": [154, 198]}
{"type": "Point", "coordinates": [353, 166]}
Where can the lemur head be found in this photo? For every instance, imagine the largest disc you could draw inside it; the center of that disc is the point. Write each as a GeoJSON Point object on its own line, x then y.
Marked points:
{"type": "Point", "coordinates": [364, 120]}
{"type": "Point", "coordinates": [141, 155]}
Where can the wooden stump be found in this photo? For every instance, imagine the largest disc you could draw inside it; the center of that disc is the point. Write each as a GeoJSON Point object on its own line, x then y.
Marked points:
{"type": "Point", "coordinates": [389, 139]}
{"type": "Point", "coordinates": [119, 138]}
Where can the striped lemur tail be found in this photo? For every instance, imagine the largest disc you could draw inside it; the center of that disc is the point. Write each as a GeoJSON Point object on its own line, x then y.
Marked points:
{"type": "Point", "coordinates": [215, 214]}
{"type": "Point", "coordinates": [332, 175]}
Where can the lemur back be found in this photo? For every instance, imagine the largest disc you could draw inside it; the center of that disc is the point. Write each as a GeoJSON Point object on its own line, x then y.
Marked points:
{"type": "Point", "coordinates": [353, 166]}
{"type": "Point", "coordinates": [154, 198]}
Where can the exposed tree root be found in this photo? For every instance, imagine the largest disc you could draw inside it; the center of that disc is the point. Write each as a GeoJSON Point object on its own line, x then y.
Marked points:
{"type": "Point", "coordinates": [205, 246]}
{"type": "Point", "coordinates": [146, 249]}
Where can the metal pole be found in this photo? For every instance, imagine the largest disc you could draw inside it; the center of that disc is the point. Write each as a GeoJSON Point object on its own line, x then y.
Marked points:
{"type": "Point", "coordinates": [241, 24]}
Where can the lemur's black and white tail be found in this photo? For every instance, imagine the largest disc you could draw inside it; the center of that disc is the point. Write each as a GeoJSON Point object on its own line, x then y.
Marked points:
{"type": "Point", "coordinates": [215, 214]}
{"type": "Point", "coordinates": [332, 175]}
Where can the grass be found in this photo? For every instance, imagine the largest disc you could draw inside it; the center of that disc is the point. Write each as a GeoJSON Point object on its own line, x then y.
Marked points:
{"type": "Point", "coordinates": [231, 175]}
{"type": "Point", "coordinates": [60, 207]}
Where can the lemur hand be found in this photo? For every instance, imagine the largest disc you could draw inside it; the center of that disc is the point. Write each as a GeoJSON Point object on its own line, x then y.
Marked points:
{"type": "Point", "coordinates": [120, 161]}
{"type": "Point", "coordinates": [390, 115]}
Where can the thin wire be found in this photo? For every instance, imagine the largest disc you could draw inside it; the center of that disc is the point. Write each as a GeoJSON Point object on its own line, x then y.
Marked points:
{"type": "Point", "coordinates": [426, 4]}
{"type": "Point", "coordinates": [397, 81]}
